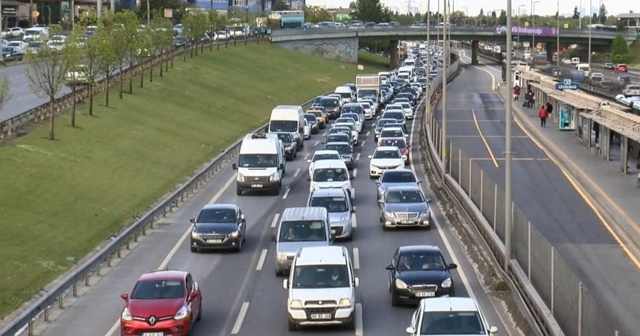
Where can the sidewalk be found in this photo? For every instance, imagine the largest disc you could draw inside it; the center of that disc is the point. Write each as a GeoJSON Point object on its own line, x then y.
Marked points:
{"type": "Point", "coordinates": [615, 195]}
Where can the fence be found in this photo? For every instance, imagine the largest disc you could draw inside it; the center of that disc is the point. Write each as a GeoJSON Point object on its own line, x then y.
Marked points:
{"type": "Point", "coordinates": [570, 302]}
{"type": "Point", "coordinates": [81, 276]}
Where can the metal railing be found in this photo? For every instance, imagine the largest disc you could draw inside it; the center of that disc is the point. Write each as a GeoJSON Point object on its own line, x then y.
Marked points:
{"type": "Point", "coordinates": [81, 276]}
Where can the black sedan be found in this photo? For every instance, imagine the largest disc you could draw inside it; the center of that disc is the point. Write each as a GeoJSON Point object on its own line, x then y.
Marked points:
{"type": "Point", "coordinates": [417, 272]}
{"type": "Point", "coordinates": [12, 54]}
{"type": "Point", "coordinates": [218, 226]}
{"type": "Point", "coordinates": [289, 144]}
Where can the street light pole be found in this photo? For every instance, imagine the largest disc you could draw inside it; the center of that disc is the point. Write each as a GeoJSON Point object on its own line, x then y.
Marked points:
{"type": "Point", "coordinates": [445, 46]}
{"type": "Point", "coordinates": [533, 25]}
{"type": "Point", "coordinates": [519, 25]}
{"type": "Point", "coordinates": [438, 21]}
{"type": "Point", "coordinates": [558, 33]}
{"type": "Point", "coordinates": [508, 154]}
{"type": "Point", "coordinates": [427, 105]}
{"type": "Point", "coordinates": [589, 27]}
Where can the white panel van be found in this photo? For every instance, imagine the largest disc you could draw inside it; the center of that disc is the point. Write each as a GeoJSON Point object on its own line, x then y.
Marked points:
{"type": "Point", "coordinates": [261, 164]}
{"type": "Point", "coordinates": [288, 118]}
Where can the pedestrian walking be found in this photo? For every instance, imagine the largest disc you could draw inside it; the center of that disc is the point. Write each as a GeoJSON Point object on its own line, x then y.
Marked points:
{"type": "Point", "coordinates": [528, 99]}
{"type": "Point", "coordinates": [549, 108]}
{"type": "Point", "coordinates": [516, 92]}
{"type": "Point", "coordinates": [543, 114]}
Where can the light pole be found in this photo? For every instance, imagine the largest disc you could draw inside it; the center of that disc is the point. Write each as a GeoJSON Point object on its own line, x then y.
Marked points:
{"type": "Point", "coordinates": [508, 159]}
{"type": "Point", "coordinates": [533, 25]}
{"type": "Point", "coordinates": [148, 13]}
{"type": "Point", "coordinates": [438, 21]}
{"type": "Point", "coordinates": [557, 34]}
{"type": "Point", "coordinates": [427, 105]}
{"type": "Point", "coordinates": [580, 16]}
{"type": "Point", "coordinates": [519, 25]}
{"type": "Point", "coordinates": [589, 27]}
{"type": "Point", "coordinates": [445, 46]}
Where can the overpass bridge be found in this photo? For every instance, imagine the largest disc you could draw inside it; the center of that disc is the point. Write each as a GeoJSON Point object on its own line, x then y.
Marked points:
{"type": "Point", "coordinates": [342, 43]}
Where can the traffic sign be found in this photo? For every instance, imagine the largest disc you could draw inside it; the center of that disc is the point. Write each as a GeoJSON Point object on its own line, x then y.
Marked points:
{"type": "Point", "coordinates": [567, 84]}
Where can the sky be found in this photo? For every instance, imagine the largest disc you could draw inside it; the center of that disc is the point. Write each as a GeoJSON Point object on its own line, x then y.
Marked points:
{"type": "Point", "coordinates": [543, 7]}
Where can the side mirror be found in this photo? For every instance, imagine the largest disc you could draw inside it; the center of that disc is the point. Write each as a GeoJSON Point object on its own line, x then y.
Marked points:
{"type": "Point", "coordinates": [308, 178]}
{"type": "Point", "coordinates": [419, 182]}
{"type": "Point", "coordinates": [285, 283]}
{"type": "Point", "coordinates": [234, 166]}
{"type": "Point", "coordinates": [370, 156]}
{"type": "Point", "coordinates": [242, 217]}
{"type": "Point", "coordinates": [428, 200]}
{"type": "Point", "coordinates": [389, 267]}
{"type": "Point", "coordinates": [410, 331]}
{"type": "Point", "coordinates": [452, 266]}
{"type": "Point", "coordinates": [356, 282]}
{"type": "Point", "coordinates": [192, 220]}
{"type": "Point", "coordinates": [380, 202]}
{"type": "Point", "coordinates": [124, 296]}
{"type": "Point", "coordinates": [378, 182]}
{"type": "Point", "coordinates": [493, 330]}
{"type": "Point", "coordinates": [193, 295]}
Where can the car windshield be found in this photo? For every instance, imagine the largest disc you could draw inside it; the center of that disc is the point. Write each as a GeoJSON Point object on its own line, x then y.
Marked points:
{"type": "Point", "coordinates": [283, 126]}
{"type": "Point", "coordinates": [420, 261]}
{"type": "Point", "coordinates": [452, 323]}
{"type": "Point", "coordinates": [393, 142]}
{"type": "Point", "coordinates": [158, 290]}
{"type": "Point", "coordinates": [404, 196]}
{"type": "Point", "coordinates": [349, 126]}
{"type": "Point", "coordinates": [383, 122]}
{"type": "Point", "coordinates": [310, 117]}
{"type": "Point", "coordinates": [298, 231]}
{"type": "Point", "coordinates": [386, 154]}
{"type": "Point", "coordinates": [217, 216]}
{"type": "Point", "coordinates": [285, 137]}
{"type": "Point", "coordinates": [345, 120]}
{"type": "Point", "coordinates": [353, 116]}
{"type": "Point", "coordinates": [258, 160]}
{"type": "Point", "coordinates": [391, 133]}
{"type": "Point", "coordinates": [394, 115]}
{"type": "Point", "coordinates": [320, 276]}
{"type": "Point", "coordinates": [337, 137]}
{"type": "Point", "coordinates": [320, 157]}
{"type": "Point", "coordinates": [332, 204]}
{"type": "Point", "coordinates": [398, 177]}
{"type": "Point", "coordinates": [343, 149]}
{"type": "Point", "coordinates": [330, 175]}
{"type": "Point", "coordinates": [329, 102]}
{"type": "Point", "coordinates": [352, 109]}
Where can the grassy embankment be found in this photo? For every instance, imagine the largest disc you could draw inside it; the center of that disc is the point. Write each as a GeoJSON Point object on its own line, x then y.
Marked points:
{"type": "Point", "coordinates": [372, 62]}
{"type": "Point", "coordinates": [634, 51]}
{"type": "Point", "coordinates": [59, 199]}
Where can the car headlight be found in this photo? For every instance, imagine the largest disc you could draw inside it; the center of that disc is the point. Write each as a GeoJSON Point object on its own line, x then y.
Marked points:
{"type": "Point", "coordinates": [295, 304]}
{"type": "Point", "coordinates": [446, 283]}
{"type": "Point", "coordinates": [240, 177]}
{"type": "Point", "coordinates": [182, 313]}
{"type": "Point", "coordinates": [388, 214]}
{"type": "Point", "coordinates": [404, 157]}
{"type": "Point", "coordinates": [195, 235]}
{"type": "Point", "coordinates": [345, 186]}
{"type": "Point", "coordinates": [126, 315]}
{"type": "Point", "coordinates": [400, 284]}
{"type": "Point", "coordinates": [314, 187]}
{"type": "Point", "coordinates": [344, 303]}
{"type": "Point", "coordinates": [274, 177]}
{"type": "Point", "coordinates": [234, 234]}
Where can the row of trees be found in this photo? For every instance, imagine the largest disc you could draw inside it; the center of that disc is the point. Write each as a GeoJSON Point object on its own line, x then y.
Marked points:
{"type": "Point", "coordinates": [118, 43]}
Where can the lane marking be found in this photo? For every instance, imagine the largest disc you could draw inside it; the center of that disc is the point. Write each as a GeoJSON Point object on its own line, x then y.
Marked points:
{"type": "Point", "coordinates": [263, 257]}
{"type": "Point", "coordinates": [368, 132]}
{"type": "Point", "coordinates": [356, 258]}
{"type": "Point", "coordinates": [484, 140]}
{"type": "Point", "coordinates": [296, 173]}
{"type": "Point", "coordinates": [359, 322]}
{"type": "Point", "coordinates": [354, 220]}
{"type": "Point", "coordinates": [317, 143]}
{"type": "Point", "coordinates": [241, 316]}
{"type": "Point", "coordinates": [306, 157]}
{"type": "Point", "coordinates": [274, 222]}
{"type": "Point", "coordinates": [354, 173]}
{"type": "Point", "coordinates": [286, 193]}
{"type": "Point", "coordinates": [363, 142]}
{"type": "Point", "coordinates": [177, 246]}
{"type": "Point", "coordinates": [357, 156]}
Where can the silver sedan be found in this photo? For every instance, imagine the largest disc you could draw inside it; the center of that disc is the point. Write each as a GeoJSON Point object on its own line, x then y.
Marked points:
{"type": "Point", "coordinates": [404, 206]}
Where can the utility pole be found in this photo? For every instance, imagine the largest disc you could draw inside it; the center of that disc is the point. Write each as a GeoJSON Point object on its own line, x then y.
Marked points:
{"type": "Point", "coordinates": [427, 105]}
{"type": "Point", "coordinates": [589, 27]}
{"type": "Point", "coordinates": [445, 46]}
{"type": "Point", "coordinates": [508, 235]}
{"type": "Point", "coordinates": [438, 21]}
{"type": "Point", "coordinates": [558, 34]}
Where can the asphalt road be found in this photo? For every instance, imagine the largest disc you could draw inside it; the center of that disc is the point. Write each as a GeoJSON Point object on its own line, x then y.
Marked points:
{"type": "Point", "coordinates": [241, 292]}
{"type": "Point", "coordinates": [544, 195]}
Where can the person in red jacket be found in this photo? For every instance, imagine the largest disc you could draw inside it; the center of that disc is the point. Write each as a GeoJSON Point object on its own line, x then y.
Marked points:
{"type": "Point", "coordinates": [516, 92]}
{"type": "Point", "coordinates": [543, 114]}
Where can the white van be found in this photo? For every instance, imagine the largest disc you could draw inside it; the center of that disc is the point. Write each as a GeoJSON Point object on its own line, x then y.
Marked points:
{"type": "Point", "coordinates": [261, 163]}
{"type": "Point", "coordinates": [409, 62]}
{"type": "Point", "coordinates": [289, 118]}
{"type": "Point", "coordinates": [584, 67]}
{"type": "Point", "coordinates": [331, 174]}
{"type": "Point", "coordinates": [346, 94]}
{"type": "Point", "coordinates": [408, 70]}
{"type": "Point", "coordinates": [322, 286]}
{"type": "Point", "coordinates": [36, 34]}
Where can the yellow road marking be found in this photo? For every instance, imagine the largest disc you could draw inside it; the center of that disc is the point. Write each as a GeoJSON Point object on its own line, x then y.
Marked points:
{"type": "Point", "coordinates": [484, 140]}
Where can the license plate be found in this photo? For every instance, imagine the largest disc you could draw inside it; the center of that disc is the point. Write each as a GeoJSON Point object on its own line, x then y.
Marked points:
{"type": "Point", "coordinates": [320, 316]}
{"type": "Point", "coordinates": [214, 241]}
{"type": "Point", "coordinates": [425, 294]}
{"type": "Point", "coordinates": [256, 186]}
{"type": "Point", "coordinates": [153, 334]}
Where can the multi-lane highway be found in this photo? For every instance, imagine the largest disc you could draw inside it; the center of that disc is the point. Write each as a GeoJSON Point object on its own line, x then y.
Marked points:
{"type": "Point", "coordinates": [475, 119]}
{"type": "Point", "coordinates": [241, 293]}
{"type": "Point", "coordinates": [22, 97]}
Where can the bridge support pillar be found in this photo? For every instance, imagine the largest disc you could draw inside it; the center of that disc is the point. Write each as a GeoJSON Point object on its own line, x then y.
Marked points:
{"type": "Point", "coordinates": [475, 52]}
{"type": "Point", "coordinates": [551, 49]}
{"type": "Point", "coordinates": [393, 54]}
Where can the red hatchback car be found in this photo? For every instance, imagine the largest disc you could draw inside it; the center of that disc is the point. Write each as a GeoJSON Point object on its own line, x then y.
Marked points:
{"type": "Point", "coordinates": [162, 303]}
{"type": "Point", "coordinates": [402, 145]}
{"type": "Point", "coordinates": [621, 68]}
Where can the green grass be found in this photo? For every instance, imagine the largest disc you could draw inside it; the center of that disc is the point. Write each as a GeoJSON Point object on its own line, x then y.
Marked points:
{"type": "Point", "coordinates": [372, 62]}
{"type": "Point", "coordinates": [59, 199]}
{"type": "Point", "coordinates": [634, 52]}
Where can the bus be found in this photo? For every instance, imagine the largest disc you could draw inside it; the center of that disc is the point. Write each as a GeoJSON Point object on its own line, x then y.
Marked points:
{"type": "Point", "coordinates": [289, 18]}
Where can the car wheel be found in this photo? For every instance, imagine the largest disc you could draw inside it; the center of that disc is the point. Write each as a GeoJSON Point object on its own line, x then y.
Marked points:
{"type": "Point", "coordinates": [239, 246]}
{"type": "Point", "coordinates": [238, 192]}
{"type": "Point", "coordinates": [395, 300]}
{"type": "Point", "coordinates": [351, 325]}
{"type": "Point", "coordinates": [194, 249]}
{"type": "Point", "coordinates": [278, 272]}
{"type": "Point", "coordinates": [292, 326]}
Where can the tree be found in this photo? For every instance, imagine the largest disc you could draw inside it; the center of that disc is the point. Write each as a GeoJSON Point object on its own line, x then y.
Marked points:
{"type": "Point", "coordinates": [576, 13]}
{"type": "Point", "coordinates": [128, 43]}
{"type": "Point", "coordinates": [5, 91]}
{"type": "Point", "coordinates": [594, 18]}
{"type": "Point", "coordinates": [143, 50]}
{"type": "Point", "coordinates": [494, 18]}
{"type": "Point", "coordinates": [45, 70]}
{"type": "Point", "coordinates": [352, 5]}
{"type": "Point", "coordinates": [73, 52]}
{"type": "Point", "coordinates": [109, 62]}
{"type": "Point", "coordinates": [502, 20]}
{"type": "Point", "coordinates": [370, 11]}
{"type": "Point", "coordinates": [92, 59]}
{"type": "Point", "coordinates": [316, 14]}
{"type": "Point", "coordinates": [160, 33]}
{"type": "Point", "coordinates": [195, 25]}
{"type": "Point", "coordinates": [619, 50]}
{"type": "Point", "coordinates": [280, 5]}
{"type": "Point", "coordinates": [602, 13]}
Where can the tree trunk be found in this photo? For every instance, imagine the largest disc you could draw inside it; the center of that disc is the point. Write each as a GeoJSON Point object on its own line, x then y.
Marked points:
{"type": "Point", "coordinates": [185, 58]}
{"type": "Point", "coordinates": [52, 117]}
{"type": "Point", "coordinates": [73, 106]}
{"type": "Point", "coordinates": [107, 91]}
{"type": "Point", "coordinates": [131, 84]}
{"type": "Point", "coordinates": [91, 98]}
{"type": "Point", "coordinates": [142, 77]}
{"type": "Point", "coordinates": [196, 48]}
{"type": "Point", "coordinates": [201, 47]}
{"type": "Point", "coordinates": [211, 45]}
{"type": "Point", "coordinates": [151, 72]}
{"type": "Point", "coordinates": [121, 82]}
{"type": "Point", "coordinates": [162, 61]}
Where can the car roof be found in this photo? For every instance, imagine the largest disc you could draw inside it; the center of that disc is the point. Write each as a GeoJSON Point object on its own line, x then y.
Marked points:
{"type": "Point", "coordinates": [352, 104]}
{"type": "Point", "coordinates": [397, 171]}
{"type": "Point", "coordinates": [392, 128]}
{"type": "Point", "coordinates": [405, 188]}
{"type": "Point", "coordinates": [322, 255]}
{"type": "Point", "coordinates": [329, 164]}
{"type": "Point", "coordinates": [338, 143]}
{"type": "Point", "coordinates": [448, 304]}
{"type": "Point", "coordinates": [328, 192]}
{"type": "Point", "coordinates": [163, 275]}
{"type": "Point", "coordinates": [386, 148]}
{"type": "Point", "coordinates": [219, 206]}
{"type": "Point", "coordinates": [419, 248]}
{"type": "Point", "coordinates": [326, 151]}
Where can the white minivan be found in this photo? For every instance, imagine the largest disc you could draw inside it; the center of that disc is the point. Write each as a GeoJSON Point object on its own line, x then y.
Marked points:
{"type": "Point", "coordinates": [36, 34]}
{"type": "Point", "coordinates": [584, 67]}
{"type": "Point", "coordinates": [322, 285]}
{"type": "Point", "coordinates": [289, 118]}
{"type": "Point", "coordinates": [345, 93]}
{"type": "Point", "coordinates": [331, 174]}
{"type": "Point", "coordinates": [261, 163]}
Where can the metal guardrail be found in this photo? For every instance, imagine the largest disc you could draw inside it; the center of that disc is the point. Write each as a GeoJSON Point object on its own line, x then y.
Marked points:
{"type": "Point", "coordinates": [114, 249]}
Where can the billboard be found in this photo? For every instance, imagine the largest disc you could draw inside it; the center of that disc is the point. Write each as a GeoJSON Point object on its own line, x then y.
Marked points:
{"type": "Point", "coordinates": [522, 30]}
